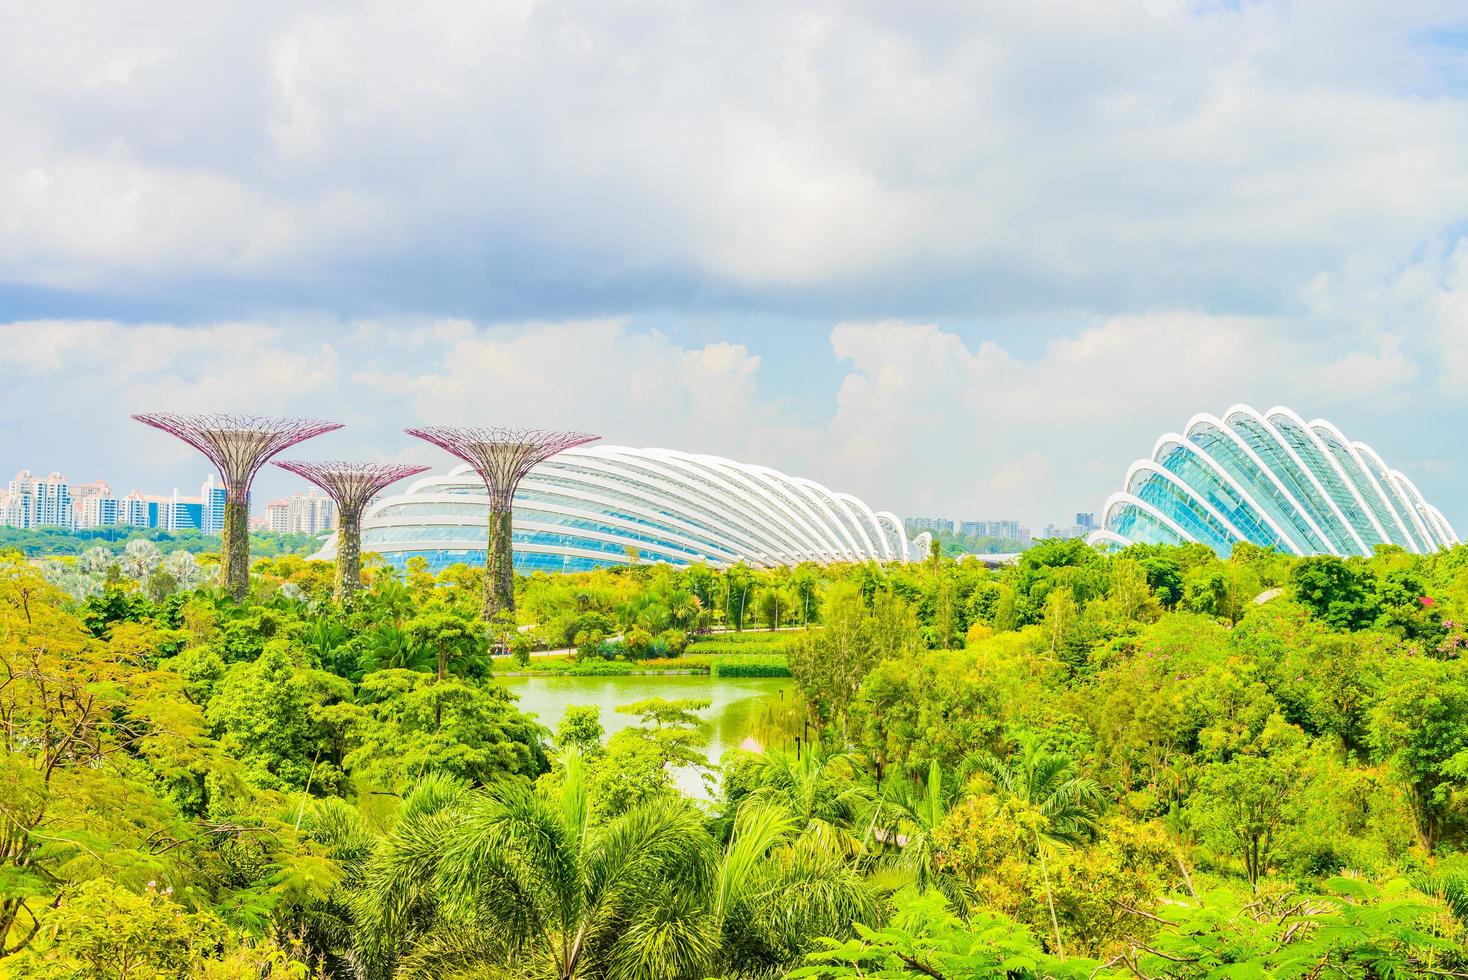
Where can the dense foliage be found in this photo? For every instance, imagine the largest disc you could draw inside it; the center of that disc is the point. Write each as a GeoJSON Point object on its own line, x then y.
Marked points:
{"type": "Point", "coordinates": [43, 541]}
{"type": "Point", "coordinates": [1152, 763]}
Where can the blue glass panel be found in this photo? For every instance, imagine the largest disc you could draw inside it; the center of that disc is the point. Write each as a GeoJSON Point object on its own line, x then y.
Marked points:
{"type": "Point", "coordinates": [1135, 524]}
{"type": "Point", "coordinates": [1306, 448]}
{"type": "Point", "coordinates": [1265, 491]}
{"type": "Point", "coordinates": [1175, 503]}
{"type": "Point", "coordinates": [1274, 455]}
{"type": "Point", "coordinates": [1395, 499]}
{"type": "Point", "coordinates": [1358, 476]}
{"type": "Point", "coordinates": [1205, 481]}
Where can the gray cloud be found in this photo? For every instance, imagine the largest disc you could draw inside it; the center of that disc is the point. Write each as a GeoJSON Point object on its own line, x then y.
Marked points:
{"type": "Point", "coordinates": [522, 158]}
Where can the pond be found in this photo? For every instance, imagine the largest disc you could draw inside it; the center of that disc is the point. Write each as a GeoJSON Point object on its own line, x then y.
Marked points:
{"type": "Point", "coordinates": [742, 707]}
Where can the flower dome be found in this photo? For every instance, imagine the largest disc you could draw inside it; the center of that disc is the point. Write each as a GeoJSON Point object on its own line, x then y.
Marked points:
{"type": "Point", "coordinates": [1272, 479]}
{"type": "Point", "coordinates": [595, 506]}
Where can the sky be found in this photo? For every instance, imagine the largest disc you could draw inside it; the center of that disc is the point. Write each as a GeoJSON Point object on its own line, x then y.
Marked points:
{"type": "Point", "coordinates": [958, 259]}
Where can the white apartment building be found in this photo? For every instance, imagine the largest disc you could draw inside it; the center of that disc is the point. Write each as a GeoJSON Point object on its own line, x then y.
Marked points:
{"type": "Point", "coordinates": [33, 501]}
{"type": "Point", "coordinates": [303, 513]}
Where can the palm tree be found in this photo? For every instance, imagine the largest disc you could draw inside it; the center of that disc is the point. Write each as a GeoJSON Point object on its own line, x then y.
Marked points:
{"type": "Point", "coordinates": [139, 559]}
{"type": "Point", "coordinates": [96, 561]}
{"type": "Point", "coordinates": [502, 876]}
{"type": "Point", "coordinates": [1049, 782]}
{"type": "Point", "coordinates": [776, 886]}
{"type": "Point", "coordinates": [903, 821]}
{"type": "Point", "coordinates": [184, 568]}
{"type": "Point", "coordinates": [820, 790]}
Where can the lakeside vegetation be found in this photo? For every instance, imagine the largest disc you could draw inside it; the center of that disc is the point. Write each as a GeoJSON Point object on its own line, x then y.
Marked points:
{"type": "Point", "coordinates": [1086, 765]}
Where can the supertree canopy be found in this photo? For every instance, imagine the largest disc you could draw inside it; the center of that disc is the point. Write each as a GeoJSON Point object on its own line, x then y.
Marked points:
{"type": "Point", "coordinates": [237, 445]}
{"type": "Point", "coordinates": [501, 457]}
{"type": "Point", "coordinates": [352, 485]}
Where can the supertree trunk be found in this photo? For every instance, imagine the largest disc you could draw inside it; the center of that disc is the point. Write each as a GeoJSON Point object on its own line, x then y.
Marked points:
{"type": "Point", "coordinates": [352, 485]}
{"type": "Point", "coordinates": [501, 457]}
{"type": "Point", "coordinates": [499, 577]}
{"type": "Point", "coordinates": [234, 550]}
{"type": "Point", "coordinates": [237, 445]}
{"type": "Point", "coordinates": [348, 557]}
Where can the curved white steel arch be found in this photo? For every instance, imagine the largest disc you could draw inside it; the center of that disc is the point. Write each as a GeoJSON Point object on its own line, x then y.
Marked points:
{"type": "Point", "coordinates": [1122, 498]}
{"type": "Point", "coordinates": [1422, 507]}
{"type": "Point", "coordinates": [1153, 467]}
{"type": "Point", "coordinates": [1101, 534]}
{"type": "Point", "coordinates": [1207, 459]}
{"type": "Point", "coordinates": [1395, 496]}
{"type": "Point", "coordinates": [1349, 488]}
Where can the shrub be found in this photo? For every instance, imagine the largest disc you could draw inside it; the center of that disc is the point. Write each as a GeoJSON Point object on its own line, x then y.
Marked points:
{"type": "Point", "coordinates": [637, 644]}
{"type": "Point", "coordinates": [673, 642]}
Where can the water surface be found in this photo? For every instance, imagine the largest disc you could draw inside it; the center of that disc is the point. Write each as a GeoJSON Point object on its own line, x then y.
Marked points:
{"type": "Point", "coordinates": [738, 704]}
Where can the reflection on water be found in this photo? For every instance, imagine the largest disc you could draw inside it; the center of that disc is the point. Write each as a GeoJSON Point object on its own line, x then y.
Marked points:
{"type": "Point", "coordinates": [742, 707]}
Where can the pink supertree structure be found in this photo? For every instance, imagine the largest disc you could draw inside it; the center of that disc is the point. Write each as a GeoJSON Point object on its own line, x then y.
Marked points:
{"type": "Point", "coordinates": [237, 445]}
{"type": "Point", "coordinates": [352, 485]}
{"type": "Point", "coordinates": [501, 457]}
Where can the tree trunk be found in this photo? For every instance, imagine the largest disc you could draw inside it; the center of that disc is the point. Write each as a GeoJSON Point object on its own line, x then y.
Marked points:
{"type": "Point", "coordinates": [1049, 898]}
{"type": "Point", "coordinates": [348, 557]}
{"type": "Point", "coordinates": [234, 551]}
{"type": "Point", "coordinates": [499, 571]}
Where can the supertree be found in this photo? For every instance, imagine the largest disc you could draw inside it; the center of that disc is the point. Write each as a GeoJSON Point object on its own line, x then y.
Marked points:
{"type": "Point", "coordinates": [237, 445]}
{"type": "Point", "coordinates": [501, 457]}
{"type": "Point", "coordinates": [352, 486]}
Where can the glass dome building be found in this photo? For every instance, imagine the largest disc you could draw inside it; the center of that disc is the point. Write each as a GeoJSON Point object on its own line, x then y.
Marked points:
{"type": "Point", "coordinates": [586, 507]}
{"type": "Point", "coordinates": [1275, 480]}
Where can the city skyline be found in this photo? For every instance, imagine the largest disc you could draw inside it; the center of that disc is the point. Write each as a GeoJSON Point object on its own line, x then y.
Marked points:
{"type": "Point", "coordinates": [54, 501]}
{"type": "Point", "coordinates": [1030, 434]}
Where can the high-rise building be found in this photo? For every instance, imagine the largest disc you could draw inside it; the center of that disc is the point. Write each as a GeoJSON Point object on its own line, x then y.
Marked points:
{"type": "Point", "coordinates": [211, 500]}
{"type": "Point", "coordinates": [1086, 522]}
{"type": "Point", "coordinates": [990, 529]}
{"type": "Point", "coordinates": [303, 513]}
{"type": "Point", "coordinates": [278, 516]}
{"type": "Point", "coordinates": [132, 510]}
{"type": "Point", "coordinates": [914, 525]}
{"type": "Point", "coordinates": [33, 501]}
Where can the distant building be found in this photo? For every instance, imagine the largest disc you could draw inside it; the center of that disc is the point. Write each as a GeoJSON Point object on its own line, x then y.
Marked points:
{"type": "Point", "coordinates": [1086, 521]}
{"type": "Point", "coordinates": [304, 513]}
{"type": "Point", "coordinates": [990, 529]}
{"type": "Point", "coordinates": [915, 525]}
{"type": "Point", "coordinates": [277, 516]}
{"type": "Point", "coordinates": [211, 500]}
{"type": "Point", "coordinates": [32, 501]}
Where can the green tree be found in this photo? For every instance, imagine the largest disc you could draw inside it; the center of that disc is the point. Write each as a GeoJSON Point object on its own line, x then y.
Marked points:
{"type": "Point", "coordinates": [1067, 802]}
{"type": "Point", "coordinates": [1342, 592]}
{"type": "Point", "coordinates": [454, 640]}
{"type": "Point", "coordinates": [1419, 725]}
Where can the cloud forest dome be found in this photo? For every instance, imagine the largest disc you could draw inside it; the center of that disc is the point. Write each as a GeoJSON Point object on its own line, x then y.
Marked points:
{"type": "Point", "coordinates": [1272, 479]}
{"type": "Point", "coordinates": [585, 507]}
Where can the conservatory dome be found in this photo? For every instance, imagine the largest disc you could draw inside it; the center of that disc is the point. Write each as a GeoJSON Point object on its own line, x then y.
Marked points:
{"type": "Point", "coordinates": [595, 506]}
{"type": "Point", "coordinates": [1275, 480]}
